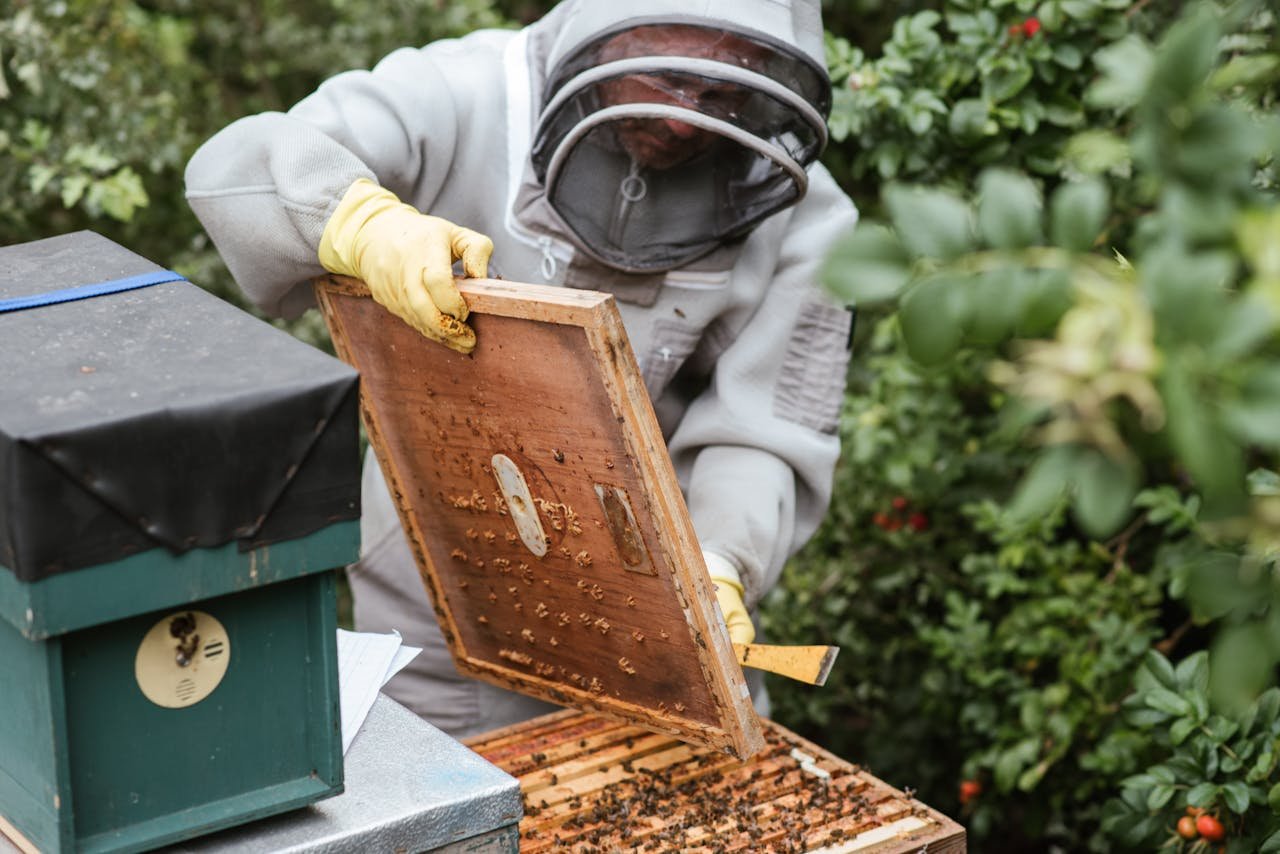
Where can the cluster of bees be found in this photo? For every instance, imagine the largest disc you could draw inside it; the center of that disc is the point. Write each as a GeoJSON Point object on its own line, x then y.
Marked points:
{"type": "Point", "coordinates": [703, 803]}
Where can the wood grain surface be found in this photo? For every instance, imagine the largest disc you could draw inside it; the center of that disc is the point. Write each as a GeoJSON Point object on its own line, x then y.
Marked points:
{"type": "Point", "coordinates": [593, 785]}
{"type": "Point", "coordinates": [616, 614]}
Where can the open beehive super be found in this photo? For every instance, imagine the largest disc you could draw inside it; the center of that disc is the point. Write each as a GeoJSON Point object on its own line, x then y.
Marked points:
{"type": "Point", "coordinates": [594, 785]}
{"type": "Point", "coordinates": [538, 497]}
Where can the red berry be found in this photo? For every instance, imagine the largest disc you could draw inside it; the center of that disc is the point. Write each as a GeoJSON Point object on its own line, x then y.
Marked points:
{"type": "Point", "coordinates": [880, 520]}
{"type": "Point", "coordinates": [893, 524]}
{"type": "Point", "coordinates": [969, 789]}
{"type": "Point", "coordinates": [899, 503]}
{"type": "Point", "coordinates": [1210, 828]}
{"type": "Point", "coordinates": [1030, 27]}
{"type": "Point", "coordinates": [918, 522]}
{"type": "Point", "coordinates": [1015, 30]}
{"type": "Point", "coordinates": [1187, 827]}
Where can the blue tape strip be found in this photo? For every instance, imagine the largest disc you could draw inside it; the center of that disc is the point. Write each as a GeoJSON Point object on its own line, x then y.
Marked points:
{"type": "Point", "coordinates": [114, 286]}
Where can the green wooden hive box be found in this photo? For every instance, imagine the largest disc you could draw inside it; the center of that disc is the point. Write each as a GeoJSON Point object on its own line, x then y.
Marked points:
{"type": "Point", "coordinates": [177, 482]}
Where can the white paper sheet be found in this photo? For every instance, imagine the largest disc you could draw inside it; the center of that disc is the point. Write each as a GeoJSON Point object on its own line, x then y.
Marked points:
{"type": "Point", "coordinates": [365, 663]}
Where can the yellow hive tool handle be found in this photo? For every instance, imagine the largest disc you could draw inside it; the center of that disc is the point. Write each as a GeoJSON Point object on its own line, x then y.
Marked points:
{"type": "Point", "coordinates": [809, 664]}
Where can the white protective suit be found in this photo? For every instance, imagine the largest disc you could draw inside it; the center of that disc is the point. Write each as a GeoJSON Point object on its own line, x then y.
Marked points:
{"type": "Point", "coordinates": [743, 355]}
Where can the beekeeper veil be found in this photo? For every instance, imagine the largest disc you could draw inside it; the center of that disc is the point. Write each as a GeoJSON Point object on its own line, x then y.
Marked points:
{"type": "Point", "coordinates": [670, 128]}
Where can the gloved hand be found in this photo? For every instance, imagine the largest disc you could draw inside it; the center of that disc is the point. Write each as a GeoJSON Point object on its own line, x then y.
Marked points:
{"type": "Point", "coordinates": [729, 590]}
{"type": "Point", "coordinates": [406, 259]}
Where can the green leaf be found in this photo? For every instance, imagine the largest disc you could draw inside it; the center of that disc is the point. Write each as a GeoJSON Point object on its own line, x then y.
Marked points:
{"type": "Point", "coordinates": [118, 196]}
{"type": "Point", "coordinates": [1044, 483]}
{"type": "Point", "coordinates": [1048, 298]}
{"type": "Point", "coordinates": [994, 304]}
{"type": "Point", "coordinates": [1007, 79]}
{"type": "Point", "coordinates": [1164, 700]}
{"type": "Point", "coordinates": [1146, 718]}
{"type": "Point", "coordinates": [932, 319]}
{"type": "Point", "coordinates": [1193, 672]}
{"type": "Point", "coordinates": [868, 266]}
{"type": "Point", "coordinates": [1258, 232]}
{"type": "Point", "coordinates": [1104, 491]}
{"type": "Point", "coordinates": [1081, 10]}
{"type": "Point", "coordinates": [1188, 293]}
{"type": "Point", "coordinates": [1273, 800]}
{"type": "Point", "coordinates": [1186, 54]}
{"type": "Point", "coordinates": [1253, 416]}
{"type": "Point", "coordinates": [970, 120]}
{"type": "Point", "coordinates": [1272, 843]}
{"type": "Point", "coordinates": [1236, 796]}
{"type": "Point", "coordinates": [1202, 794]}
{"type": "Point", "coordinates": [1094, 152]}
{"type": "Point", "coordinates": [1211, 457]}
{"type": "Point", "coordinates": [1214, 587]}
{"type": "Point", "coordinates": [1245, 71]}
{"type": "Point", "coordinates": [1127, 67]}
{"type": "Point", "coordinates": [1268, 708]}
{"type": "Point", "coordinates": [1068, 56]}
{"type": "Point", "coordinates": [1008, 209]}
{"type": "Point", "coordinates": [1159, 796]}
{"type": "Point", "coordinates": [1078, 212]}
{"type": "Point", "coordinates": [931, 223]}
{"type": "Point", "coordinates": [1010, 764]}
{"type": "Point", "coordinates": [38, 177]}
{"type": "Point", "coordinates": [1242, 663]}
{"type": "Point", "coordinates": [1249, 324]}
{"type": "Point", "coordinates": [1182, 727]}
{"type": "Point", "coordinates": [73, 187]}
{"type": "Point", "coordinates": [1159, 668]}
{"type": "Point", "coordinates": [1220, 729]}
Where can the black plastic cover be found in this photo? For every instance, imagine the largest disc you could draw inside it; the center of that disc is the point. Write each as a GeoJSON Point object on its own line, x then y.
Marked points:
{"type": "Point", "coordinates": [158, 417]}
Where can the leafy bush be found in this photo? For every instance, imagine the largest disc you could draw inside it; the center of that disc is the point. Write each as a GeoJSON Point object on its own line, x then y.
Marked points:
{"type": "Point", "coordinates": [93, 137]}
{"type": "Point", "coordinates": [1114, 351]}
{"type": "Point", "coordinates": [1219, 764]}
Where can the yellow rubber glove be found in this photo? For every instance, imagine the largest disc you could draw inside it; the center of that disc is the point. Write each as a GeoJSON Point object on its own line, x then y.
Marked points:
{"type": "Point", "coordinates": [729, 598]}
{"type": "Point", "coordinates": [406, 259]}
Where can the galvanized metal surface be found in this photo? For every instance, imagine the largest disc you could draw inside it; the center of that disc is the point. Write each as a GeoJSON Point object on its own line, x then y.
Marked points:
{"type": "Point", "coordinates": [410, 788]}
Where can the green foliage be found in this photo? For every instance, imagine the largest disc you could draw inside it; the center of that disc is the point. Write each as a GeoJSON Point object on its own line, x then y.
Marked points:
{"type": "Point", "coordinates": [1224, 764]}
{"type": "Point", "coordinates": [973, 645]}
{"type": "Point", "coordinates": [102, 103]}
{"type": "Point", "coordinates": [968, 84]}
{"type": "Point", "coordinates": [1098, 315]}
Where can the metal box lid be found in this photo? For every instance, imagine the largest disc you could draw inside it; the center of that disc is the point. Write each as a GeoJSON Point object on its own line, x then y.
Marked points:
{"type": "Point", "coordinates": [161, 416]}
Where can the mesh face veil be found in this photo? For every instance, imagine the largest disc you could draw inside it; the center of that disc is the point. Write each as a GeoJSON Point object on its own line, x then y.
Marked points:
{"type": "Point", "coordinates": [658, 143]}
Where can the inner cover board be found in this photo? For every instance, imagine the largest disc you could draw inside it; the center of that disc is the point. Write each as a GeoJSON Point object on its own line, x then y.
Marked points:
{"type": "Point", "coordinates": [542, 509]}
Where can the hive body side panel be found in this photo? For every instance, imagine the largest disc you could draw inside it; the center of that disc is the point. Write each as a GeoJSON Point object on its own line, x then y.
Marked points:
{"type": "Point", "coordinates": [35, 796]}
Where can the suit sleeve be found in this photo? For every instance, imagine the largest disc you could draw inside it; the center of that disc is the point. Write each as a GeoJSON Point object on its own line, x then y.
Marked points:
{"type": "Point", "coordinates": [264, 186]}
{"type": "Point", "coordinates": [757, 450]}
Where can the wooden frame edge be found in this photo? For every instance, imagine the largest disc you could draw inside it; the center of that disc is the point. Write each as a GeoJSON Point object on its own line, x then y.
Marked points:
{"type": "Point", "coordinates": [353, 287]}
{"type": "Point", "coordinates": [596, 313]}
{"type": "Point", "coordinates": [738, 715]}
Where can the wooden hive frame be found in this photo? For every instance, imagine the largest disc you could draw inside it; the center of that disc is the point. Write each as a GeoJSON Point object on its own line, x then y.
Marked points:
{"type": "Point", "coordinates": [617, 615]}
{"type": "Point", "coordinates": [592, 785]}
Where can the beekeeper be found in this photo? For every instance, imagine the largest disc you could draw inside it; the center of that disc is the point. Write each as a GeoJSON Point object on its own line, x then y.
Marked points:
{"type": "Point", "coordinates": [663, 151]}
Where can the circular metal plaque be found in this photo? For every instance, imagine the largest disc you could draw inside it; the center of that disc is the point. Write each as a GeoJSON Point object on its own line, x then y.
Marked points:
{"type": "Point", "coordinates": [182, 659]}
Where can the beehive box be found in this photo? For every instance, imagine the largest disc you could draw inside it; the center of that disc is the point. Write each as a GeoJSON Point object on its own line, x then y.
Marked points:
{"type": "Point", "coordinates": [594, 785]}
{"type": "Point", "coordinates": [177, 481]}
{"type": "Point", "coordinates": [542, 508]}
